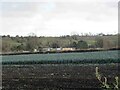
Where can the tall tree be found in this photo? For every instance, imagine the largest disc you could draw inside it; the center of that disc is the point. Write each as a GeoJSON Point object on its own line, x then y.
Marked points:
{"type": "Point", "coordinates": [73, 45]}
{"type": "Point", "coordinates": [99, 42]}
{"type": "Point", "coordinates": [32, 43]}
{"type": "Point", "coordinates": [6, 46]}
{"type": "Point", "coordinates": [82, 44]}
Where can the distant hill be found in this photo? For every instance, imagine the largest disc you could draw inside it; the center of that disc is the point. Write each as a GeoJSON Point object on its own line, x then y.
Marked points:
{"type": "Point", "coordinates": [29, 43]}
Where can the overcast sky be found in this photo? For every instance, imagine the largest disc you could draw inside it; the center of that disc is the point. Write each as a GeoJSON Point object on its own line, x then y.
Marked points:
{"type": "Point", "coordinates": [58, 17]}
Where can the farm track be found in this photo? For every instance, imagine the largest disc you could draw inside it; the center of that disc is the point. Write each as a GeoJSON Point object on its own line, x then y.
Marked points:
{"type": "Point", "coordinates": [55, 77]}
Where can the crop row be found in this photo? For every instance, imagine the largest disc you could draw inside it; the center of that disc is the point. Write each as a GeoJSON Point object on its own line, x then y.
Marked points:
{"type": "Point", "coordinates": [99, 61]}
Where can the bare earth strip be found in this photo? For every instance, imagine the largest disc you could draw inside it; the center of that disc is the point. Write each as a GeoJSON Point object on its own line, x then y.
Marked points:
{"type": "Point", "coordinates": [55, 76]}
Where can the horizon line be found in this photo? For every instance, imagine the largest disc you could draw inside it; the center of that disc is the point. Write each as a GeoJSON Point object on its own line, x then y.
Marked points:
{"type": "Point", "coordinates": [82, 34]}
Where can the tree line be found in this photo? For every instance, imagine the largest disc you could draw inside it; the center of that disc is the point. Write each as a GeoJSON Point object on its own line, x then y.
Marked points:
{"type": "Point", "coordinates": [29, 43]}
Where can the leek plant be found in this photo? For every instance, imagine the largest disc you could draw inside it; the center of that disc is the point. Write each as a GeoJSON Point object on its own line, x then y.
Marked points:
{"type": "Point", "coordinates": [104, 82]}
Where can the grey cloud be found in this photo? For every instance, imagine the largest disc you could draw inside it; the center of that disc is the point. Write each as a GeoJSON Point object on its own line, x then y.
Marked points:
{"type": "Point", "coordinates": [29, 8]}
{"type": "Point", "coordinates": [94, 11]}
{"type": "Point", "coordinates": [19, 9]}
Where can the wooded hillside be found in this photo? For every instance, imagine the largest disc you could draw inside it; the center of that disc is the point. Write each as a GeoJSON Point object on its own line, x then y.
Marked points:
{"type": "Point", "coordinates": [29, 43]}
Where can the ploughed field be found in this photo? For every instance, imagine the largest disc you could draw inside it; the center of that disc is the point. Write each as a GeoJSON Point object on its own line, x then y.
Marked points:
{"type": "Point", "coordinates": [55, 77]}
{"type": "Point", "coordinates": [70, 71]}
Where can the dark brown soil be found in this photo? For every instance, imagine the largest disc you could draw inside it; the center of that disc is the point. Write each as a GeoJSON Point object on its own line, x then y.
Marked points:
{"type": "Point", "coordinates": [55, 76]}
